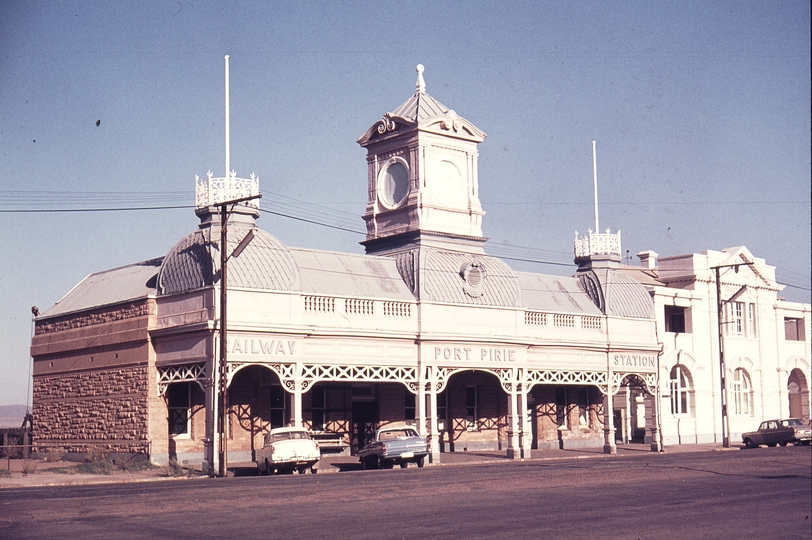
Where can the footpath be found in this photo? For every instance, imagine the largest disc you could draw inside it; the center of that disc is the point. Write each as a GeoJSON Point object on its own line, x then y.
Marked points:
{"type": "Point", "coordinates": [18, 473]}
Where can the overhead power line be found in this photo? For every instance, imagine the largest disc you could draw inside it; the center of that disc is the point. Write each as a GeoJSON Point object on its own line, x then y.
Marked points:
{"type": "Point", "coordinates": [282, 206]}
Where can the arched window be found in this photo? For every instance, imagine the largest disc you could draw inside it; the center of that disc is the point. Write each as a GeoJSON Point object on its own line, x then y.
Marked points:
{"type": "Point", "coordinates": [679, 386]}
{"type": "Point", "coordinates": [741, 392]}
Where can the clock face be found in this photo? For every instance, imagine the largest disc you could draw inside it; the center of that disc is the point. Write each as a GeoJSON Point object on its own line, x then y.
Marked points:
{"type": "Point", "coordinates": [393, 183]}
{"type": "Point", "coordinates": [448, 183]}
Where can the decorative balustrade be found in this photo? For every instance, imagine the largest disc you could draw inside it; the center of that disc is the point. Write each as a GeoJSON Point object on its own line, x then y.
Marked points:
{"type": "Point", "coordinates": [354, 306]}
{"type": "Point", "coordinates": [210, 191]}
{"type": "Point", "coordinates": [591, 323]}
{"type": "Point", "coordinates": [535, 318]}
{"type": "Point", "coordinates": [563, 321]}
{"type": "Point", "coordinates": [597, 244]}
{"type": "Point", "coordinates": [320, 304]}
{"type": "Point", "coordinates": [397, 309]}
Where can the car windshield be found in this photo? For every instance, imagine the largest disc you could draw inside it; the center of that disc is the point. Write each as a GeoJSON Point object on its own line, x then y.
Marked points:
{"type": "Point", "coordinates": [396, 434]}
{"type": "Point", "coordinates": [285, 435]}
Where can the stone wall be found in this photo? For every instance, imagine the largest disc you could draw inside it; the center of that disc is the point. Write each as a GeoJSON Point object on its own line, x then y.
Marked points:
{"type": "Point", "coordinates": [90, 318]}
{"type": "Point", "coordinates": [80, 411]}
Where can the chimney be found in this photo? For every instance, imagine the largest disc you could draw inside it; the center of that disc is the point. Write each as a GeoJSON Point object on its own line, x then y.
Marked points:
{"type": "Point", "coordinates": [648, 259]}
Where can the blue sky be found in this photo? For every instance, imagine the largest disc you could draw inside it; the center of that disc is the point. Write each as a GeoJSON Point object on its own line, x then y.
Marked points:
{"type": "Point", "coordinates": [700, 110]}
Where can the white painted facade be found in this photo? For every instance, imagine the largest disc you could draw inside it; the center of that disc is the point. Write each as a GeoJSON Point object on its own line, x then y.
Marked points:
{"type": "Point", "coordinates": [766, 366]}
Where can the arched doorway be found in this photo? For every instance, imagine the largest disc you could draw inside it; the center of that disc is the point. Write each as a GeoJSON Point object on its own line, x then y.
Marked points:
{"type": "Point", "coordinates": [257, 402]}
{"type": "Point", "coordinates": [472, 413]}
{"type": "Point", "coordinates": [632, 406]}
{"type": "Point", "coordinates": [798, 393]}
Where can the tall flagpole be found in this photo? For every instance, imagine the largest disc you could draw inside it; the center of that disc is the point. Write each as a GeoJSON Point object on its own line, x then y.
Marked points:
{"type": "Point", "coordinates": [228, 134]}
{"type": "Point", "coordinates": [595, 184]}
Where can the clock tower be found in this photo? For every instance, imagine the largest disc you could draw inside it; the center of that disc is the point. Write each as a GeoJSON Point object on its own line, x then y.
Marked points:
{"type": "Point", "coordinates": [423, 185]}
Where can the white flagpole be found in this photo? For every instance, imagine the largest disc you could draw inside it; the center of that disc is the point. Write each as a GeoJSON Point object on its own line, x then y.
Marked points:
{"type": "Point", "coordinates": [595, 184]}
{"type": "Point", "coordinates": [228, 134]}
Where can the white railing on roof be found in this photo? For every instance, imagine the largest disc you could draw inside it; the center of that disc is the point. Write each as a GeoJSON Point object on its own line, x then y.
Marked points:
{"type": "Point", "coordinates": [597, 244]}
{"type": "Point", "coordinates": [210, 191]}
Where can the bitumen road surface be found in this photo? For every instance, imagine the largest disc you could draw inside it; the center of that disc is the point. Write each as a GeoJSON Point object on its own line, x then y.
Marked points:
{"type": "Point", "coordinates": [760, 493]}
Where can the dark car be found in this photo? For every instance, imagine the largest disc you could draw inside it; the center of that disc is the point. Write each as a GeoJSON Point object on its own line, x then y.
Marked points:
{"type": "Point", "coordinates": [783, 432]}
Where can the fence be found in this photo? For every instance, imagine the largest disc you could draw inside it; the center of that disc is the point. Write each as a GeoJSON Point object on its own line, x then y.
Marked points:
{"type": "Point", "coordinates": [116, 453]}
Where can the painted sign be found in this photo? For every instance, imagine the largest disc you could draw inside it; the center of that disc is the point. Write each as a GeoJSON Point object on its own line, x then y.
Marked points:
{"type": "Point", "coordinates": [636, 361]}
{"type": "Point", "coordinates": [263, 347]}
{"type": "Point", "coordinates": [472, 354]}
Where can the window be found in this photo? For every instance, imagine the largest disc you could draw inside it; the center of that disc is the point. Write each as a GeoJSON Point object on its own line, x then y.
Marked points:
{"type": "Point", "coordinates": [751, 320]}
{"type": "Point", "coordinates": [741, 392]}
{"type": "Point", "coordinates": [735, 320]}
{"type": "Point", "coordinates": [679, 387]}
{"type": "Point", "coordinates": [470, 408]}
{"type": "Point", "coordinates": [317, 408]}
{"type": "Point", "coordinates": [583, 407]}
{"type": "Point", "coordinates": [410, 406]}
{"type": "Point", "coordinates": [179, 402]}
{"type": "Point", "coordinates": [561, 407]}
{"type": "Point", "coordinates": [675, 319]}
{"type": "Point", "coordinates": [441, 410]}
{"type": "Point", "coordinates": [794, 329]}
{"type": "Point", "coordinates": [277, 406]}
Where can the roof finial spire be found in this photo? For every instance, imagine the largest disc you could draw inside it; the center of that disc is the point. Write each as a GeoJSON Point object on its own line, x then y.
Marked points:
{"type": "Point", "coordinates": [421, 84]}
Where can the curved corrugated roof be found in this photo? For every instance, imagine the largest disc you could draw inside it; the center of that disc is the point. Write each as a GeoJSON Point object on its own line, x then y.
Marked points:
{"type": "Point", "coordinates": [623, 295]}
{"type": "Point", "coordinates": [264, 263]}
{"type": "Point", "coordinates": [437, 275]}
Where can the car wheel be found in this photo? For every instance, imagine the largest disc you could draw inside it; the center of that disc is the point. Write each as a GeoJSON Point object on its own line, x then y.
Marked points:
{"type": "Point", "coordinates": [806, 443]}
{"type": "Point", "coordinates": [302, 470]}
{"type": "Point", "coordinates": [749, 444]}
{"type": "Point", "coordinates": [771, 445]}
{"type": "Point", "coordinates": [314, 470]}
{"type": "Point", "coordinates": [783, 443]}
{"type": "Point", "coordinates": [404, 464]}
{"type": "Point", "coordinates": [420, 462]}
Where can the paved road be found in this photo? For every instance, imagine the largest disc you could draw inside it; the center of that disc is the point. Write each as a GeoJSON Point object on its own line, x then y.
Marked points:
{"type": "Point", "coordinates": [764, 493]}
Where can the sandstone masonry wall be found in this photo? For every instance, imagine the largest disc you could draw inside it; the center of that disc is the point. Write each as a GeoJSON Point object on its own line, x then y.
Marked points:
{"type": "Point", "coordinates": [104, 409]}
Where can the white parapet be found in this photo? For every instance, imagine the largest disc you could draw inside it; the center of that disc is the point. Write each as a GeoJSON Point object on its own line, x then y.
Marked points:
{"type": "Point", "coordinates": [597, 244]}
{"type": "Point", "coordinates": [210, 191]}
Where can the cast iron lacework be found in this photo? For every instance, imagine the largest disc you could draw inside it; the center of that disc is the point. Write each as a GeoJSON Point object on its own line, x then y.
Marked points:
{"type": "Point", "coordinates": [312, 373]}
{"type": "Point", "coordinates": [505, 375]}
{"type": "Point", "coordinates": [546, 376]}
{"type": "Point", "coordinates": [185, 373]}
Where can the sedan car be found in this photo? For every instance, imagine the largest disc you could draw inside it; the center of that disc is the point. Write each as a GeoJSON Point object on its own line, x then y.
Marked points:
{"type": "Point", "coordinates": [782, 431]}
{"type": "Point", "coordinates": [288, 449]}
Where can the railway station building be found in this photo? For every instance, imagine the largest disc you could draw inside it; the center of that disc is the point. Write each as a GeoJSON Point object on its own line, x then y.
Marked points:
{"type": "Point", "coordinates": [424, 328]}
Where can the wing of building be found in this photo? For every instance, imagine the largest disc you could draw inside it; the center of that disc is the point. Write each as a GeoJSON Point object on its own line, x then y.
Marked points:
{"type": "Point", "coordinates": [425, 328]}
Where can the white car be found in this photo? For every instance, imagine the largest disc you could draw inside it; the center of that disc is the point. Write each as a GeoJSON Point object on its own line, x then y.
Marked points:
{"type": "Point", "coordinates": [288, 449]}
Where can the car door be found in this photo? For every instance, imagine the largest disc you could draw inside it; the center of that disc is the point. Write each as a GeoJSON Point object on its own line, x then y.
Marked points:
{"type": "Point", "coordinates": [772, 435]}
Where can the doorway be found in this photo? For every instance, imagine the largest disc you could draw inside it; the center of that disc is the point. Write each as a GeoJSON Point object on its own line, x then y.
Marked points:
{"type": "Point", "coordinates": [364, 423]}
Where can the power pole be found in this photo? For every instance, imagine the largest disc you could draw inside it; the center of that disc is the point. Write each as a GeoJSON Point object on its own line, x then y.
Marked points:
{"type": "Point", "coordinates": [722, 370]}
{"type": "Point", "coordinates": [222, 387]}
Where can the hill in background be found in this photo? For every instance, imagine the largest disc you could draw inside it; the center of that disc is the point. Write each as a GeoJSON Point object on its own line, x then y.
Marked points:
{"type": "Point", "coordinates": [12, 415]}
